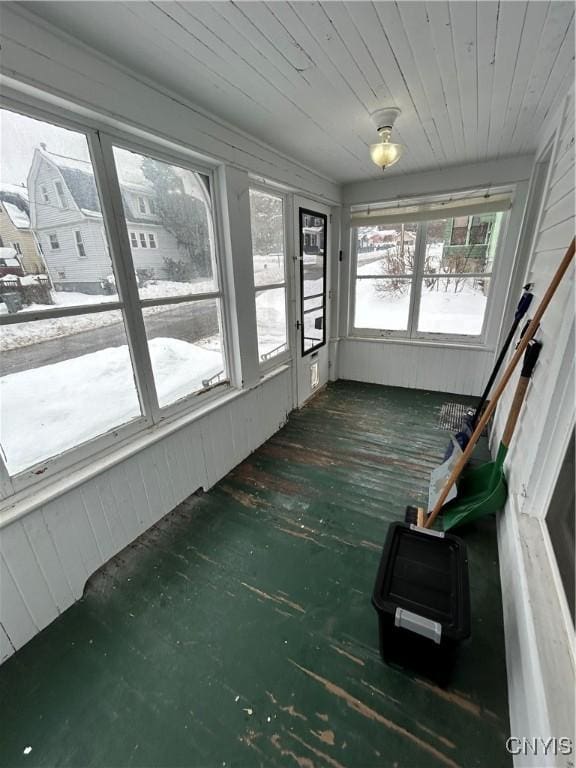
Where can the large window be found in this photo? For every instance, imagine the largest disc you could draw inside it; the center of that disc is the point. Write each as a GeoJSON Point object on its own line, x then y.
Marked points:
{"type": "Point", "coordinates": [104, 340]}
{"type": "Point", "coordinates": [177, 284]}
{"type": "Point", "coordinates": [269, 258]}
{"type": "Point", "coordinates": [425, 279]}
{"type": "Point", "coordinates": [65, 379]}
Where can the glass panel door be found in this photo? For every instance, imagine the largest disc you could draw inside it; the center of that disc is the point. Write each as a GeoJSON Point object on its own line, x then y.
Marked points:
{"type": "Point", "coordinates": [313, 237]}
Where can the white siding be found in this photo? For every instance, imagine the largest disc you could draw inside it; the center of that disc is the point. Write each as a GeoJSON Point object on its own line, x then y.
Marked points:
{"type": "Point", "coordinates": [49, 553]}
{"type": "Point", "coordinates": [153, 258]}
{"type": "Point", "coordinates": [539, 632]}
{"type": "Point", "coordinates": [50, 215]}
{"type": "Point", "coordinates": [91, 269]}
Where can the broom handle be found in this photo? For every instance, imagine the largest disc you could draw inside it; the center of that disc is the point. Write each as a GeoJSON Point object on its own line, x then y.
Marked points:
{"type": "Point", "coordinates": [530, 359]}
{"type": "Point", "coordinates": [524, 341]}
{"type": "Point", "coordinates": [515, 409]}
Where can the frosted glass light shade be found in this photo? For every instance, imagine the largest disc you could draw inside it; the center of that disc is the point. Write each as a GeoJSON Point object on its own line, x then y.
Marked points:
{"type": "Point", "coordinates": [384, 154]}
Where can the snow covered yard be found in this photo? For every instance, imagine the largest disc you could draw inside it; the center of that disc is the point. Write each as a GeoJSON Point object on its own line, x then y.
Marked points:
{"type": "Point", "coordinates": [271, 321]}
{"type": "Point", "coordinates": [440, 311]}
{"type": "Point", "coordinates": [50, 409]}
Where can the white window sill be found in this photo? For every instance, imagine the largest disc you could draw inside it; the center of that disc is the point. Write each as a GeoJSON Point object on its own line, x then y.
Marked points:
{"type": "Point", "coordinates": [439, 343]}
{"type": "Point", "coordinates": [29, 499]}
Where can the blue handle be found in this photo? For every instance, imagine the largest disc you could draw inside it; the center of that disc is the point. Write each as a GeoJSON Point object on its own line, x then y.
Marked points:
{"type": "Point", "coordinates": [523, 304]}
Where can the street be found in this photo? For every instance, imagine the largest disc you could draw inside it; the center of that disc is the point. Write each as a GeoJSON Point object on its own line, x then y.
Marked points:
{"type": "Point", "coordinates": [182, 321]}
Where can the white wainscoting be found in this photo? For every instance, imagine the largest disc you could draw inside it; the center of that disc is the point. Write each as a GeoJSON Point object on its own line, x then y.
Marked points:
{"type": "Point", "coordinates": [439, 368]}
{"type": "Point", "coordinates": [49, 553]}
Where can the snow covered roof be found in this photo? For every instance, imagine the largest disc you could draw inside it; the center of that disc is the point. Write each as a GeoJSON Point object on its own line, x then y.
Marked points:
{"type": "Point", "coordinates": [13, 189]}
{"type": "Point", "coordinates": [7, 252]}
{"type": "Point", "coordinates": [18, 216]}
{"type": "Point", "coordinates": [79, 179]}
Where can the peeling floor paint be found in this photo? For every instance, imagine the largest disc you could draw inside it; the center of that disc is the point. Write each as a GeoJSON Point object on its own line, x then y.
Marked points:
{"type": "Point", "coordinates": [239, 631]}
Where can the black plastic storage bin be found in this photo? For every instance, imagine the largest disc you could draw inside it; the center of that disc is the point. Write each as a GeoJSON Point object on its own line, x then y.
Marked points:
{"type": "Point", "coordinates": [422, 597]}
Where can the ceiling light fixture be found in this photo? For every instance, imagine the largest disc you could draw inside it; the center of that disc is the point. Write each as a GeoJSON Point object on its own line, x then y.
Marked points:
{"type": "Point", "coordinates": [385, 153]}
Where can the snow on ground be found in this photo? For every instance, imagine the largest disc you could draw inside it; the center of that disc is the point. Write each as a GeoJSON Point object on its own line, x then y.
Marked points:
{"type": "Point", "coordinates": [25, 333]}
{"type": "Point", "coordinates": [268, 268]}
{"type": "Point", "coordinates": [440, 311]}
{"type": "Point", "coordinates": [271, 321]}
{"type": "Point", "coordinates": [50, 409]}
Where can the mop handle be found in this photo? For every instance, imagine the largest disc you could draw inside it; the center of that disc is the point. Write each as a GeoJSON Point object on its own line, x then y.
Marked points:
{"type": "Point", "coordinates": [491, 407]}
{"type": "Point", "coordinates": [521, 310]}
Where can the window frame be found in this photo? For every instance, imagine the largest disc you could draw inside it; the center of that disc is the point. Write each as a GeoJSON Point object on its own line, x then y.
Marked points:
{"type": "Point", "coordinates": [411, 333]}
{"type": "Point", "coordinates": [61, 196]}
{"type": "Point", "coordinates": [100, 149]}
{"type": "Point", "coordinates": [79, 243]}
{"type": "Point", "coordinates": [286, 356]}
{"type": "Point", "coordinates": [54, 235]}
{"type": "Point", "coordinates": [301, 213]}
{"type": "Point", "coordinates": [108, 140]}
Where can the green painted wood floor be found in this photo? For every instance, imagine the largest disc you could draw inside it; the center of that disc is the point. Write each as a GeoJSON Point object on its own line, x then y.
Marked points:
{"type": "Point", "coordinates": [239, 631]}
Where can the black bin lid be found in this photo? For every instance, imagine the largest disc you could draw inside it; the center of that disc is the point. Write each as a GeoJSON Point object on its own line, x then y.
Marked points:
{"type": "Point", "coordinates": [426, 573]}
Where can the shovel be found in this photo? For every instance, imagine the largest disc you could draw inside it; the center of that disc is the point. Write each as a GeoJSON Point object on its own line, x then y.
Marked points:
{"type": "Point", "coordinates": [471, 419]}
{"type": "Point", "coordinates": [491, 407]}
{"type": "Point", "coordinates": [483, 490]}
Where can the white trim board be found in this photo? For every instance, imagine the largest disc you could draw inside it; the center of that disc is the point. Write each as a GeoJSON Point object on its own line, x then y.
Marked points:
{"type": "Point", "coordinates": [458, 178]}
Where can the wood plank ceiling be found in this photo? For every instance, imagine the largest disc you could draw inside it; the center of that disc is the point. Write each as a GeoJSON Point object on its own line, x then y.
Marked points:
{"type": "Point", "coordinates": [474, 80]}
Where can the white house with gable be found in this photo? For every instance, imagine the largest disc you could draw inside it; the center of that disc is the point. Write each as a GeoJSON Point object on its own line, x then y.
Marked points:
{"type": "Point", "coordinates": [66, 217]}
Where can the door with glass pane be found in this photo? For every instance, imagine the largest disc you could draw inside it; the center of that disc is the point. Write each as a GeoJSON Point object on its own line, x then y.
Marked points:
{"type": "Point", "coordinates": [312, 309]}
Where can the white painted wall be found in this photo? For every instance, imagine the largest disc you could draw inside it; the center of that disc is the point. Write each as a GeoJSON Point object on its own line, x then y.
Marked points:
{"type": "Point", "coordinates": [421, 364]}
{"type": "Point", "coordinates": [539, 630]}
{"type": "Point", "coordinates": [49, 551]}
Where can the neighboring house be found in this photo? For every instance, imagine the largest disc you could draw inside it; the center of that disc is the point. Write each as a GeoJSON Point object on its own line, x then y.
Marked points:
{"type": "Point", "coordinates": [66, 217]}
{"type": "Point", "coordinates": [313, 239]}
{"type": "Point", "coordinates": [470, 242]}
{"type": "Point", "coordinates": [15, 232]}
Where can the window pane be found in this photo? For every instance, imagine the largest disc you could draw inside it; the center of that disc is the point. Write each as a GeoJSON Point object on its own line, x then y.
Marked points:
{"type": "Point", "coordinates": [447, 255]}
{"type": "Point", "coordinates": [382, 304]}
{"type": "Point", "coordinates": [453, 305]}
{"type": "Point", "coordinates": [49, 193]}
{"type": "Point", "coordinates": [186, 348]}
{"type": "Point", "coordinates": [386, 250]}
{"type": "Point", "coordinates": [63, 382]}
{"type": "Point", "coordinates": [267, 223]}
{"type": "Point", "coordinates": [313, 328]}
{"type": "Point", "coordinates": [313, 233]}
{"type": "Point", "coordinates": [271, 322]}
{"type": "Point", "coordinates": [174, 205]}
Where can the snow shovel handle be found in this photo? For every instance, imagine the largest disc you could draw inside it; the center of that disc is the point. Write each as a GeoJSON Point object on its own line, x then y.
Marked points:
{"type": "Point", "coordinates": [530, 358]}
{"type": "Point", "coordinates": [521, 310]}
{"type": "Point", "coordinates": [491, 407]}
